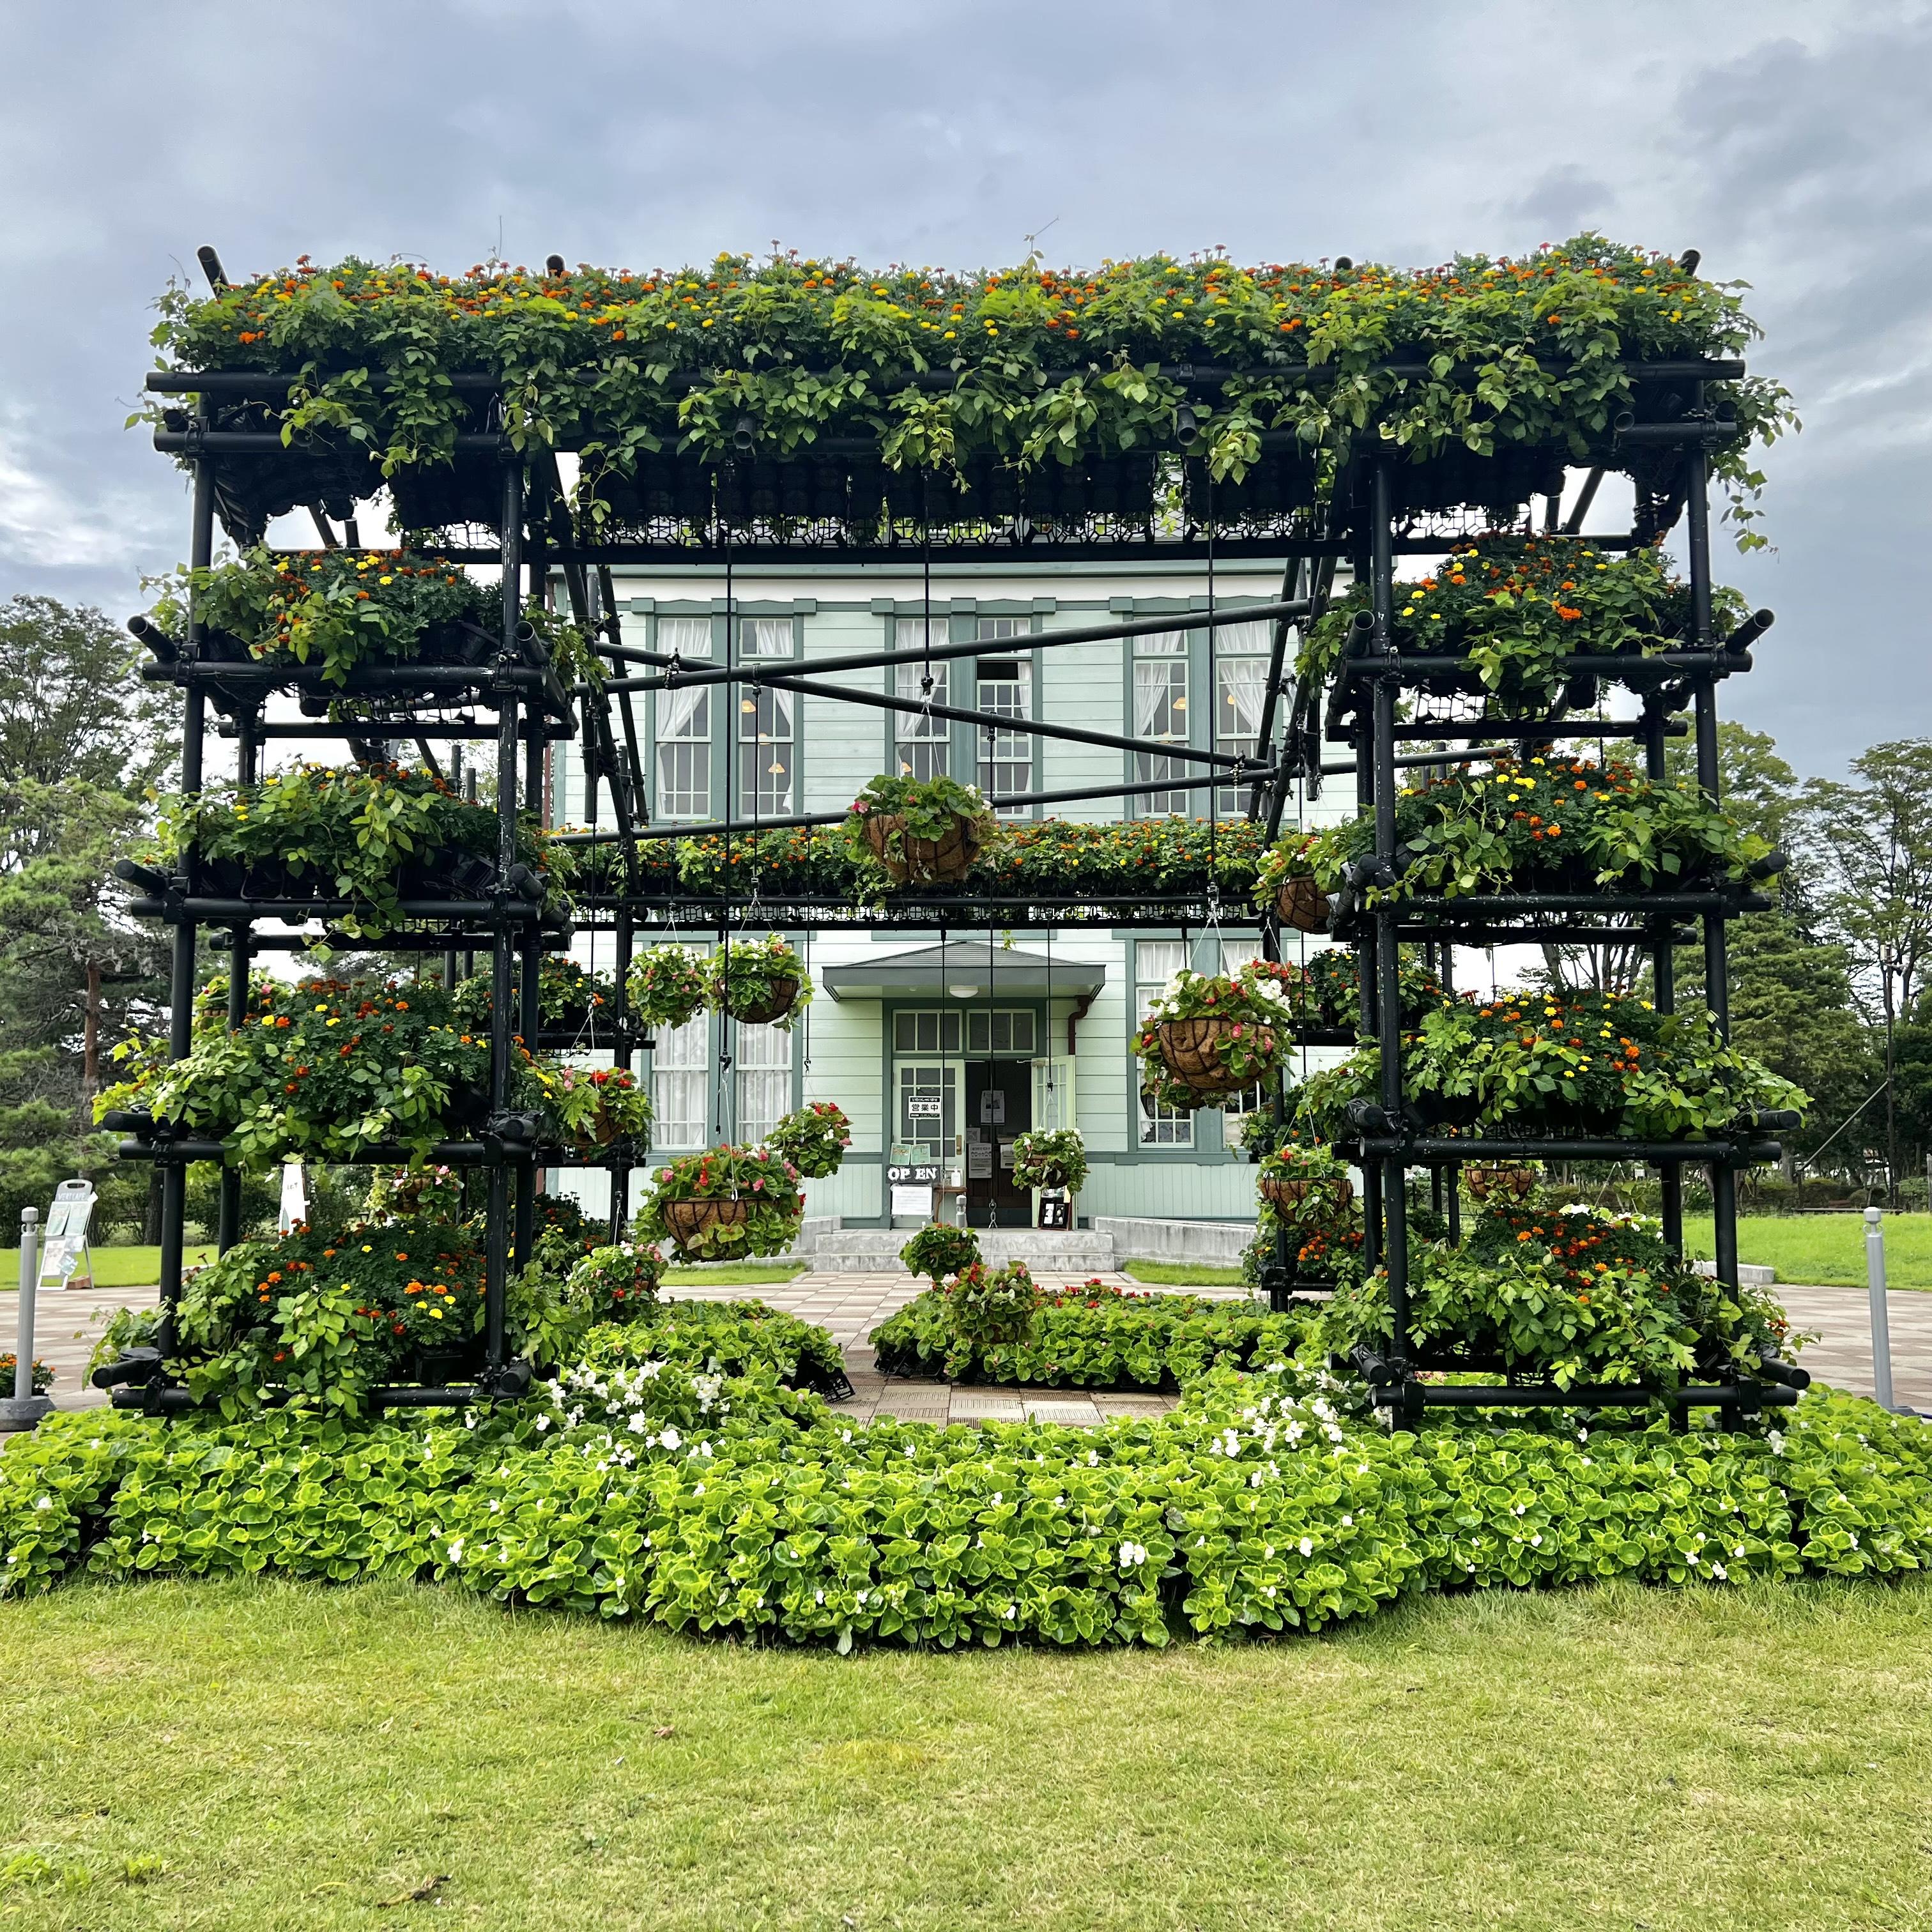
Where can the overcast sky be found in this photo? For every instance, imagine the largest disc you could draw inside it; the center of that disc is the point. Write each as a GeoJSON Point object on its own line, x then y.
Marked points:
{"type": "Point", "coordinates": [1786, 141]}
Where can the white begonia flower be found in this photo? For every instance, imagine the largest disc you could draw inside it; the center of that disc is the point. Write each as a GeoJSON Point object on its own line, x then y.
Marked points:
{"type": "Point", "coordinates": [1307, 1546]}
{"type": "Point", "coordinates": [456, 1550]}
{"type": "Point", "coordinates": [670, 1438]}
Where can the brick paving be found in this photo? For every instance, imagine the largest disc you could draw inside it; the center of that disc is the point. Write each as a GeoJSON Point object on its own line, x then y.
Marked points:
{"type": "Point", "coordinates": [852, 1305]}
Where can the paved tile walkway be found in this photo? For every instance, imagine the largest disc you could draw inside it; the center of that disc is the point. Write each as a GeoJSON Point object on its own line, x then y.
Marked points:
{"type": "Point", "coordinates": [852, 1305]}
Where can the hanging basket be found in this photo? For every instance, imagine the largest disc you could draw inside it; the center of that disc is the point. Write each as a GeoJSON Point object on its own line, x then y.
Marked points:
{"type": "Point", "coordinates": [1502, 1184]}
{"type": "Point", "coordinates": [690, 1221]}
{"type": "Point", "coordinates": [1190, 1050]}
{"type": "Point", "coordinates": [1303, 904]}
{"type": "Point", "coordinates": [926, 861]}
{"type": "Point", "coordinates": [782, 997]}
{"type": "Point", "coordinates": [1306, 1197]}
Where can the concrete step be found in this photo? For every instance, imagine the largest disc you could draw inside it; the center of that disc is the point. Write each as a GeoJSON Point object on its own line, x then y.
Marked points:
{"type": "Point", "coordinates": [1080, 1251]}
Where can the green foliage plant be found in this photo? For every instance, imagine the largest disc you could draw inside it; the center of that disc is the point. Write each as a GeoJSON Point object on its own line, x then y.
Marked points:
{"type": "Point", "coordinates": [1516, 609]}
{"type": "Point", "coordinates": [668, 985]}
{"type": "Point", "coordinates": [326, 1068]}
{"type": "Point", "coordinates": [349, 832]}
{"type": "Point", "coordinates": [765, 1183]}
{"type": "Point", "coordinates": [751, 975]}
{"type": "Point", "coordinates": [1545, 823]}
{"type": "Point", "coordinates": [1575, 1294]}
{"type": "Point", "coordinates": [1045, 366]}
{"type": "Point", "coordinates": [568, 995]}
{"type": "Point", "coordinates": [1093, 1336]}
{"type": "Point", "coordinates": [939, 1251]}
{"type": "Point", "coordinates": [1050, 1157]}
{"type": "Point", "coordinates": [588, 1107]}
{"type": "Point", "coordinates": [813, 1138]}
{"type": "Point", "coordinates": [728, 1337]}
{"type": "Point", "coordinates": [989, 1305]}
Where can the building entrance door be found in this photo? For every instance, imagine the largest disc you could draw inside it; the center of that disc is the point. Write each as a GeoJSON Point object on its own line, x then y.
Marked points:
{"type": "Point", "coordinates": [999, 1108]}
{"type": "Point", "coordinates": [926, 1145]}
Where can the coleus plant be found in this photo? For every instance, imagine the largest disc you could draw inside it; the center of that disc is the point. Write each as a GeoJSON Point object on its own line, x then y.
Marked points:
{"type": "Point", "coordinates": [764, 1220]}
{"type": "Point", "coordinates": [813, 1138]}
{"type": "Point", "coordinates": [1511, 351]}
{"type": "Point", "coordinates": [1547, 821]}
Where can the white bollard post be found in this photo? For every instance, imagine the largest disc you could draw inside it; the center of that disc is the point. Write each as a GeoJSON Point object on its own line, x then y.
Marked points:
{"type": "Point", "coordinates": [26, 1408]}
{"type": "Point", "coordinates": [1881, 1325]}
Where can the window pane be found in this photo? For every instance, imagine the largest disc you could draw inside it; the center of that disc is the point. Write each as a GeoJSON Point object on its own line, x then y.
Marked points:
{"type": "Point", "coordinates": [763, 1068]}
{"type": "Point", "coordinates": [684, 753]}
{"type": "Point", "coordinates": [685, 637]}
{"type": "Point", "coordinates": [1240, 684]}
{"type": "Point", "coordinates": [1155, 962]}
{"type": "Point", "coordinates": [1254, 639]}
{"type": "Point", "coordinates": [922, 740]}
{"type": "Point", "coordinates": [1006, 757]}
{"type": "Point", "coordinates": [1162, 644]}
{"type": "Point", "coordinates": [765, 752]}
{"type": "Point", "coordinates": [1160, 711]}
{"type": "Point", "coordinates": [764, 637]}
{"type": "Point", "coordinates": [680, 1069]}
{"type": "Point", "coordinates": [1004, 627]}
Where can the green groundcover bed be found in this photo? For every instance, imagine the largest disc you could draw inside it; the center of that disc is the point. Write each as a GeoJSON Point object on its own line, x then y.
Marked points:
{"type": "Point", "coordinates": [687, 1485]}
{"type": "Point", "coordinates": [1092, 1336]}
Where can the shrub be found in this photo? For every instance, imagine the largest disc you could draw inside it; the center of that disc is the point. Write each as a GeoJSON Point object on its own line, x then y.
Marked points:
{"type": "Point", "coordinates": [939, 1251]}
{"type": "Point", "coordinates": [755, 1207]}
{"type": "Point", "coordinates": [1048, 1157]}
{"type": "Point", "coordinates": [814, 1138]}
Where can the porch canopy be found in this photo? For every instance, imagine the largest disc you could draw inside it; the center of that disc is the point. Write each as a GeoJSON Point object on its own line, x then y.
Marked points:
{"type": "Point", "coordinates": [963, 969]}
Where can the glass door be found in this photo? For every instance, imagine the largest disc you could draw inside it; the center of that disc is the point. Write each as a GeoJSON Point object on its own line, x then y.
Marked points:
{"type": "Point", "coordinates": [925, 1133]}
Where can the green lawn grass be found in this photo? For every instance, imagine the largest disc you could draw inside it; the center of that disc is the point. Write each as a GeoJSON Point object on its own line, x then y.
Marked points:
{"type": "Point", "coordinates": [1182, 1274]}
{"type": "Point", "coordinates": [113, 1267]}
{"type": "Point", "coordinates": [732, 1274]}
{"type": "Point", "coordinates": [1825, 1250]}
{"type": "Point", "coordinates": [262, 1755]}
{"type": "Point", "coordinates": [141, 1267]}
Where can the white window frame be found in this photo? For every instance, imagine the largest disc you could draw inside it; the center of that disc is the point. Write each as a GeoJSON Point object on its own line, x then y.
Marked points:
{"type": "Point", "coordinates": [1155, 962]}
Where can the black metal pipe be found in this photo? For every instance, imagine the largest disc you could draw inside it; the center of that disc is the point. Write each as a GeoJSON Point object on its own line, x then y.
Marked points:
{"type": "Point", "coordinates": [755, 673]}
{"type": "Point", "coordinates": [1422, 1147]}
{"type": "Point", "coordinates": [1597, 1395]}
{"type": "Point", "coordinates": [268, 443]}
{"type": "Point", "coordinates": [1706, 660]}
{"type": "Point", "coordinates": [196, 908]}
{"type": "Point", "coordinates": [365, 681]}
{"type": "Point", "coordinates": [799, 820]}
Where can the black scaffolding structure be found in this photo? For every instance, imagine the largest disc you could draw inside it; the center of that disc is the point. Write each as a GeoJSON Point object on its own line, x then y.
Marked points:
{"type": "Point", "coordinates": [498, 502]}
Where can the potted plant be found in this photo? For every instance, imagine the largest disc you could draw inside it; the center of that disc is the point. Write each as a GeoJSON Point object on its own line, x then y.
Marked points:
{"type": "Point", "coordinates": [724, 1203]}
{"type": "Point", "coordinates": [327, 1069]}
{"type": "Point", "coordinates": [814, 1138]}
{"type": "Point", "coordinates": [1048, 1157]}
{"type": "Point", "coordinates": [1286, 880]}
{"type": "Point", "coordinates": [570, 999]}
{"type": "Point", "coordinates": [759, 982]}
{"type": "Point", "coordinates": [939, 1251]}
{"type": "Point", "coordinates": [986, 1307]}
{"type": "Point", "coordinates": [1305, 1183]}
{"type": "Point", "coordinates": [616, 1284]}
{"type": "Point", "coordinates": [1207, 1035]}
{"type": "Point", "coordinates": [920, 831]}
{"type": "Point", "coordinates": [668, 985]}
{"type": "Point", "coordinates": [588, 1107]}
{"type": "Point", "coordinates": [1551, 824]}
